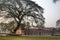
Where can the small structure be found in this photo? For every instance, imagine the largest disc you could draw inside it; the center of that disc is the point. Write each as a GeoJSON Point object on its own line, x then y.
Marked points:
{"type": "Point", "coordinates": [20, 32]}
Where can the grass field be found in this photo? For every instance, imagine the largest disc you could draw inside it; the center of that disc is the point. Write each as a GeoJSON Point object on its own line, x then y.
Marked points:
{"type": "Point", "coordinates": [29, 37]}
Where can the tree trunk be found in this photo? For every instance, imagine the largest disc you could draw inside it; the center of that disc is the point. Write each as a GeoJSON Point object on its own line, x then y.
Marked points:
{"type": "Point", "coordinates": [18, 25]}
{"type": "Point", "coordinates": [18, 30]}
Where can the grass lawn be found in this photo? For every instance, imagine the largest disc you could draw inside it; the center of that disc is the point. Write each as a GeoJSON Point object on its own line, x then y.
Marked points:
{"type": "Point", "coordinates": [29, 37]}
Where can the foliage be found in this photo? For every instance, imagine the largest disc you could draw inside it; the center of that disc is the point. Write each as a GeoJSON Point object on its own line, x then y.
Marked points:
{"type": "Point", "coordinates": [7, 26]}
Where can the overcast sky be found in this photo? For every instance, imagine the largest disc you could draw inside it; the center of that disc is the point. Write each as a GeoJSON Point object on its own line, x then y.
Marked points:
{"type": "Point", "coordinates": [51, 11]}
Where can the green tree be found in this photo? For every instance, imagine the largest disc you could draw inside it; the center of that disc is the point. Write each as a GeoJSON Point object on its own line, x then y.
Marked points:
{"type": "Point", "coordinates": [7, 26]}
{"type": "Point", "coordinates": [20, 8]}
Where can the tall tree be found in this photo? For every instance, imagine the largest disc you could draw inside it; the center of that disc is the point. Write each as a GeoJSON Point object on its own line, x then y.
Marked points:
{"type": "Point", "coordinates": [20, 8]}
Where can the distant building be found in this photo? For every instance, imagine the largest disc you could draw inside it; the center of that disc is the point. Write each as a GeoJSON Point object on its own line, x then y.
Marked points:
{"type": "Point", "coordinates": [41, 32]}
